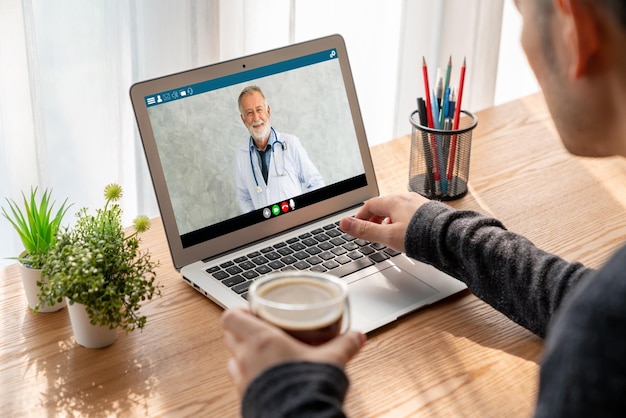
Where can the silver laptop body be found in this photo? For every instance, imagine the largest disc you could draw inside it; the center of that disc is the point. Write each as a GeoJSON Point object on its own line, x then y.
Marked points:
{"type": "Point", "coordinates": [196, 148]}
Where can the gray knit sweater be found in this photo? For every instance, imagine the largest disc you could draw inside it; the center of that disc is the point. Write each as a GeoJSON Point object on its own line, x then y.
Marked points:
{"type": "Point", "coordinates": [583, 372]}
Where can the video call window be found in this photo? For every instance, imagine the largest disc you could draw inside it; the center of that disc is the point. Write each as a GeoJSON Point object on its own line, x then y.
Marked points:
{"type": "Point", "coordinates": [199, 131]}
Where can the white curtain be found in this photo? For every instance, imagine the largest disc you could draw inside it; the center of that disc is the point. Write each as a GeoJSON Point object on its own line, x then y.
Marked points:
{"type": "Point", "coordinates": [66, 121]}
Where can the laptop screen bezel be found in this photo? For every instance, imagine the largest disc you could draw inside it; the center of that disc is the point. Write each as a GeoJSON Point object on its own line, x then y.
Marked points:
{"type": "Point", "coordinates": [183, 255]}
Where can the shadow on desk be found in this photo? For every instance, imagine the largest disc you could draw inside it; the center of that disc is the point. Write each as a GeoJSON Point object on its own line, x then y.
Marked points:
{"type": "Point", "coordinates": [480, 326]}
{"type": "Point", "coordinates": [63, 368]}
{"type": "Point", "coordinates": [429, 364]}
{"type": "Point", "coordinates": [175, 366]}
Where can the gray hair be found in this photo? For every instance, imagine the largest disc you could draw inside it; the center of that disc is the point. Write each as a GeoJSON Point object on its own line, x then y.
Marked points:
{"type": "Point", "coordinates": [249, 90]}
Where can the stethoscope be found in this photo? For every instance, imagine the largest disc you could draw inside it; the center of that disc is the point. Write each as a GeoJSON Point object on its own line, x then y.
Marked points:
{"type": "Point", "coordinates": [283, 146]}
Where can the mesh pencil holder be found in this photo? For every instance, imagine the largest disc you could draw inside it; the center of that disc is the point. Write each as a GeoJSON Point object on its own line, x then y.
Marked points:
{"type": "Point", "coordinates": [439, 161]}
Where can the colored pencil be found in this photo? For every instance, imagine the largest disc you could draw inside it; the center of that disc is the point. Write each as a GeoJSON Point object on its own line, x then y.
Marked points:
{"type": "Point", "coordinates": [433, 143]}
{"type": "Point", "coordinates": [429, 108]}
{"type": "Point", "coordinates": [429, 181]}
{"type": "Point", "coordinates": [446, 85]}
{"type": "Point", "coordinates": [439, 144]}
{"type": "Point", "coordinates": [455, 123]}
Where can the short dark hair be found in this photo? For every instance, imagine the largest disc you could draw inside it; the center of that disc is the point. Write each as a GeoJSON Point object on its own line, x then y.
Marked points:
{"type": "Point", "coordinates": [546, 9]}
{"type": "Point", "coordinates": [615, 8]}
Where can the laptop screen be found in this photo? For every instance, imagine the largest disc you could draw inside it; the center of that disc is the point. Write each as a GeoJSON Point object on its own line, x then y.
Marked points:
{"type": "Point", "coordinates": [213, 183]}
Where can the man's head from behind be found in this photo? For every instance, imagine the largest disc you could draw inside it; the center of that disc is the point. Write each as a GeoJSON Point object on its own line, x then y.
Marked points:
{"type": "Point", "coordinates": [255, 114]}
{"type": "Point", "coordinates": [576, 49]}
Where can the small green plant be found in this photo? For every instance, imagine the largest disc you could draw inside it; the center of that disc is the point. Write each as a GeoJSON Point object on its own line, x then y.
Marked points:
{"type": "Point", "coordinates": [95, 263]}
{"type": "Point", "coordinates": [36, 225]}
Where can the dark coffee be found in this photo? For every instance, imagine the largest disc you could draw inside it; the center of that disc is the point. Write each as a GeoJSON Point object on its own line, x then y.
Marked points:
{"type": "Point", "coordinates": [316, 336]}
{"type": "Point", "coordinates": [309, 310]}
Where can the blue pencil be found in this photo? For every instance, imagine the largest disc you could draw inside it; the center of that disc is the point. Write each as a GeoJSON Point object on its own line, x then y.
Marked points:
{"type": "Point", "coordinates": [439, 141]}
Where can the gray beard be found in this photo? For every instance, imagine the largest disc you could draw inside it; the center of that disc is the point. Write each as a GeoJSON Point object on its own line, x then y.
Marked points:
{"type": "Point", "coordinates": [261, 136]}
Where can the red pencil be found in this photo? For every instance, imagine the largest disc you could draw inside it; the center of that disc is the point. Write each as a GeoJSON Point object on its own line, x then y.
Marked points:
{"type": "Point", "coordinates": [457, 110]}
{"type": "Point", "coordinates": [455, 124]}
{"type": "Point", "coordinates": [433, 143]}
{"type": "Point", "coordinates": [429, 109]}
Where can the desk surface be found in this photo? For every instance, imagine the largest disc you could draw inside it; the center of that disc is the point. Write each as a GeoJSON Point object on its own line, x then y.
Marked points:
{"type": "Point", "coordinates": [457, 358]}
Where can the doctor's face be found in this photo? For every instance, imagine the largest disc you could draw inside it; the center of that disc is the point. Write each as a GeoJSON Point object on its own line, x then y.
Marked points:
{"type": "Point", "coordinates": [256, 117]}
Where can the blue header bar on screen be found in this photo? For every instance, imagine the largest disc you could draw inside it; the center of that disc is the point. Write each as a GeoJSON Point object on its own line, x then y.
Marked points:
{"type": "Point", "coordinates": [202, 87]}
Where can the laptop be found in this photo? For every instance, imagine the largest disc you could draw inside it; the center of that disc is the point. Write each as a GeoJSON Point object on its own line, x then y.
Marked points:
{"type": "Point", "coordinates": [221, 235]}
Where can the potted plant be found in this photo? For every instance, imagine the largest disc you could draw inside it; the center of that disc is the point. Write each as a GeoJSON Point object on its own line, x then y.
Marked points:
{"type": "Point", "coordinates": [37, 226]}
{"type": "Point", "coordinates": [102, 272]}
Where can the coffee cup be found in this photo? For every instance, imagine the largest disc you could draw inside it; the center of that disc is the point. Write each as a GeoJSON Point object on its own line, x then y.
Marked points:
{"type": "Point", "coordinates": [310, 306]}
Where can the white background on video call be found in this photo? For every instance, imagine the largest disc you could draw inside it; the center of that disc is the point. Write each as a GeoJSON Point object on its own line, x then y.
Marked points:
{"type": "Point", "coordinates": [197, 138]}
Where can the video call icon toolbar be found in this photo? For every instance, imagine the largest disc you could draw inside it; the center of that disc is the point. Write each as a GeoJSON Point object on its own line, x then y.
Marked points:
{"type": "Point", "coordinates": [278, 208]}
{"type": "Point", "coordinates": [168, 96]}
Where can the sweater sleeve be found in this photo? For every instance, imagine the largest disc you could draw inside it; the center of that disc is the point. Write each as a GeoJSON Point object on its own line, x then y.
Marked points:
{"type": "Point", "coordinates": [296, 389]}
{"type": "Point", "coordinates": [502, 268]}
{"type": "Point", "coordinates": [583, 371]}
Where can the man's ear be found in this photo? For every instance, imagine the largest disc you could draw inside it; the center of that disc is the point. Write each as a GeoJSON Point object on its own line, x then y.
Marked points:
{"type": "Point", "coordinates": [242, 119]}
{"type": "Point", "coordinates": [268, 110]}
{"type": "Point", "coordinates": [582, 35]}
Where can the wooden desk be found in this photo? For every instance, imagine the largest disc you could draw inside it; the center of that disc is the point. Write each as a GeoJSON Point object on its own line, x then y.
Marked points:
{"type": "Point", "coordinates": [458, 358]}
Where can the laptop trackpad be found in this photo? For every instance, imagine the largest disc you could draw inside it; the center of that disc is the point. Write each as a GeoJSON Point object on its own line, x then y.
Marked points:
{"type": "Point", "coordinates": [382, 296]}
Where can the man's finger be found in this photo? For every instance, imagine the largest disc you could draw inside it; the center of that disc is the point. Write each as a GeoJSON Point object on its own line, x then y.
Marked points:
{"type": "Point", "coordinates": [231, 341]}
{"type": "Point", "coordinates": [375, 208]}
{"type": "Point", "coordinates": [241, 323]}
{"type": "Point", "coordinates": [361, 229]}
{"type": "Point", "coordinates": [342, 348]}
{"type": "Point", "coordinates": [235, 373]}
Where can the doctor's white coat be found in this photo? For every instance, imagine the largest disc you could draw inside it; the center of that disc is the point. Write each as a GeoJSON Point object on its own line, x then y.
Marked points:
{"type": "Point", "coordinates": [287, 177]}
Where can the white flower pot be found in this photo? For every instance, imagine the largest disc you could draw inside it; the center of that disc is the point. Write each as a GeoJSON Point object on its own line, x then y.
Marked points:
{"type": "Point", "coordinates": [30, 277]}
{"type": "Point", "coordinates": [86, 334]}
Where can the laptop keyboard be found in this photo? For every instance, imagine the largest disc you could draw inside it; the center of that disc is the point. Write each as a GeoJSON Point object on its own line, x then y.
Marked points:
{"type": "Point", "coordinates": [326, 249]}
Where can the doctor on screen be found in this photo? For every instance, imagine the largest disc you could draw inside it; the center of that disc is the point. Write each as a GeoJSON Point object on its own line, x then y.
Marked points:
{"type": "Point", "coordinates": [269, 166]}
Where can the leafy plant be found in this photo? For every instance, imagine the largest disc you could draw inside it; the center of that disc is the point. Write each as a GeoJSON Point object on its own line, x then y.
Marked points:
{"type": "Point", "coordinates": [97, 264]}
{"type": "Point", "coordinates": [36, 225]}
